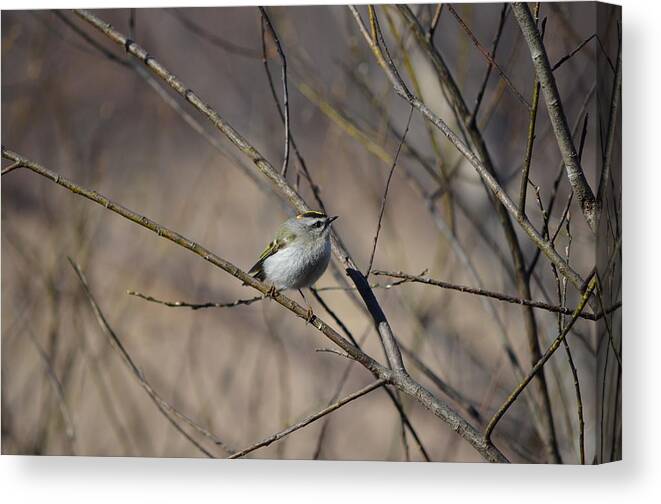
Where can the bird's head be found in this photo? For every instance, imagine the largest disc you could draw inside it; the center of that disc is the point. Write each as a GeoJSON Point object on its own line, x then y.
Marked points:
{"type": "Point", "coordinates": [311, 225]}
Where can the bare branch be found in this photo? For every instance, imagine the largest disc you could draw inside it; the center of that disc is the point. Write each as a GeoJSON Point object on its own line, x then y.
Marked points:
{"type": "Point", "coordinates": [489, 58]}
{"type": "Point", "coordinates": [488, 178]}
{"type": "Point", "coordinates": [189, 120]}
{"type": "Point", "coordinates": [164, 407]}
{"type": "Point", "coordinates": [10, 168]}
{"type": "Point", "coordinates": [397, 377]}
{"type": "Point", "coordinates": [132, 17]}
{"type": "Point", "coordinates": [434, 22]}
{"type": "Point", "coordinates": [213, 38]}
{"type": "Point", "coordinates": [279, 183]}
{"type": "Point", "coordinates": [540, 363]}
{"type": "Point", "coordinates": [560, 169]}
{"type": "Point", "coordinates": [309, 419]}
{"type": "Point", "coordinates": [266, 21]}
{"type": "Point", "coordinates": [571, 54]}
{"type": "Point", "coordinates": [491, 294]}
{"type": "Point", "coordinates": [609, 330]}
{"type": "Point", "coordinates": [70, 428]}
{"type": "Point", "coordinates": [446, 388]}
{"type": "Point", "coordinates": [487, 174]}
{"type": "Point", "coordinates": [562, 297]}
{"type": "Point", "coordinates": [540, 60]}
{"type": "Point", "coordinates": [195, 306]}
{"type": "Point", "coordinates": [406, 423]}
{"type": "Point", "coordinates": [525, 171]}
{"type": "Point", "coordinates": [385, 193]}
{"type": "Point", "coordinates": [333, 351]}
{"type": "Point", "coordinates": [612, 123]}
{"type": "Point", "coordinates": [494, 47]}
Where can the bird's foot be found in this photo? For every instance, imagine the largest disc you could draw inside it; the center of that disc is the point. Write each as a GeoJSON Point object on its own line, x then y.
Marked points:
{"type": "Point", "coordinates": [271, 292]}
{"type": "Point", "coordinates": [309, 316]}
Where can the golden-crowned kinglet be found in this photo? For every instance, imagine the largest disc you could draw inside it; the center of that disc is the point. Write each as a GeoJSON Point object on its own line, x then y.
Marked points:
{"type": "Point", "coordinates": [298, 255]}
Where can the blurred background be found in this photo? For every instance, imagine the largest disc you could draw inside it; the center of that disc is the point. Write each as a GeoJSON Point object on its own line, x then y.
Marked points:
{"type": "Point", "coordinates": [76, 103]}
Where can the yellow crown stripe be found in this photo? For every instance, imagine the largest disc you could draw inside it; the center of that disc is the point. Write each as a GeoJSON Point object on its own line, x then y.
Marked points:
{"type": "Point", "coordinates": [311, 213]}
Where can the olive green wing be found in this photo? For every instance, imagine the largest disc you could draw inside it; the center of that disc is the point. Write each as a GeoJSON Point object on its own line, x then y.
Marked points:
{"type": "Point", "coordinates": [257, 271]}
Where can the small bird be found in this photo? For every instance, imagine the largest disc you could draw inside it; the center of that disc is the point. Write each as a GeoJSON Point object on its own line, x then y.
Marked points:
{"type": "Point", "coordinates": [298, 255]}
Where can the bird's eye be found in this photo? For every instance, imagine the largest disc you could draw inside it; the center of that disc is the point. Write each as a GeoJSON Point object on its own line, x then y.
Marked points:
{"type": "Point", "coordinates": [317, 224]}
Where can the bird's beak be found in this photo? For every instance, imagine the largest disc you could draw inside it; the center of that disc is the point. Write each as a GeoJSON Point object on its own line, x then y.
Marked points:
{"type": "Point", "coordinates": [329, 220]}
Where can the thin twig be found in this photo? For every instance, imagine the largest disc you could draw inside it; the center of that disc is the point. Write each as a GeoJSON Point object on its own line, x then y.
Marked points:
{"type": "Point", "coordinates": [398, 377]}
{"type": "Point", "coordinates": [609, 330]}
{"type": "Point", "coordinates": [481, 162]}
{"type": "Point", "coordinates": [385, 193]}
{"type": "Point", "coordinates": [612, 123]}
{"type": "Point", "coordinates": [540, 363]}
{"type": "Point", "coordinates": [10, 168]}
{"type": "Point", "coordinates": [527, 159]}
{"type": "Point", "coordinates": [336, 395]}
{"type": "Point", "coordinates": [560, 169]}
{"type": "Point", "coordinates": [188, 119]}
{"type": "Point", "coordinates": [487, 74]}
{"type": "Point", "coordinates": [446, 388]}
{"type": "Point", "coordinates": [443, 179]}
{"type": "Point", "coordinates": [333, 351]}
{"type": "Point", "coordinates": [334, 316]}
{"type": "Point", "coordinates": [212, 37]}
{"type": "Point", "coordinates": [279, 183]}
{"type": "Point", "coordinates": [70, 428]}
{"type": "Point", "coordinates": [309, 419]}
{"type": "Point", "coordinates": [467, 152]}
{"type": "Point", "coordinates": [406, 423]}
{"type": "Point", "coordinates": [377, 285]}
{"type": "Point", "coordinates": [495, 295]}
{"type": "Point", "coordinates": [434, 22]}
{"type": "Point", "coordinates": [557, 116]}
{"type": "Point", "coordinates": [285, 90]}
{"type": "Point", "coordinates": [489, 58]}
{"type": "Point", "coordinates": [164, 407]}
{"type": "Point", "coordinates": [566, 57]}
{"type": "Point", "coordinates": [195, 306]}
{"type": "Point", "coordinates": [314, 187]}
{"type": "Point", "coordinates": [132, 16]}
{"type": "Point", "coordinates": [565, 212]}
{"type": "Point", "coordinates": [562, 297]}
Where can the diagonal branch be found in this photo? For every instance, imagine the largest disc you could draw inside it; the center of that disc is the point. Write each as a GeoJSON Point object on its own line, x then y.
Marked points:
{"type": "Point", "coordinates": [489, 57]}
{"type": "Point", "coordinates": [537, 368]}
{"type": "Point", "coordinates": [544, 245]}
{"type": "Point", "coordinates": [398, 378]}
{"type": "Point", "coordinates": [482, 164]}
{"type": "Point", "coordinates": [309, 419]}
{"type": "Point", "coordinates": [10, 168]}
{"type": "Point", "coordinates": [279, 183]}
{"type": "Point", "coordinates": [165, 408]}
{"type": "Point", "coordinates": [567, 57]}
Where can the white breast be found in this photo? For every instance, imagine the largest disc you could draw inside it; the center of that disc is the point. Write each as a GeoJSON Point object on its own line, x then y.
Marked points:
{"type": "Point", "coordinates": [298, 265]}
